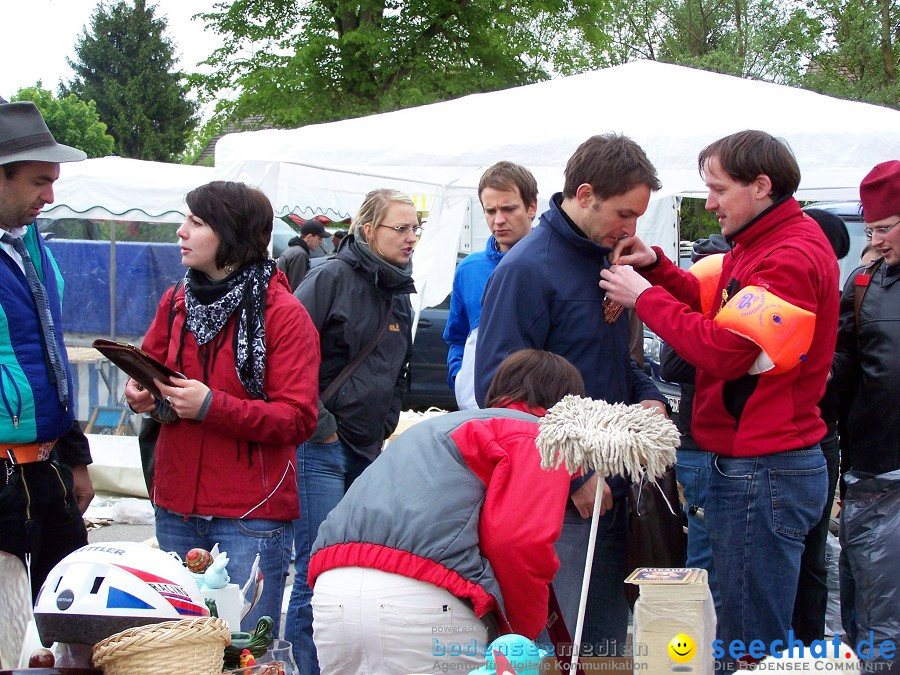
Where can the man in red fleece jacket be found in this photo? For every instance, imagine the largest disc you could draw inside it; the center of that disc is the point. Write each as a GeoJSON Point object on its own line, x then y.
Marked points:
{"type": "Point", "coordinates": [756, 401]}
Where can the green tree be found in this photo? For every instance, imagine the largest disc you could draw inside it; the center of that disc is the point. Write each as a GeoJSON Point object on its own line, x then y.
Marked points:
{"type": "Point", "coordinates": [294, 62]}
{"type": "Point", "coordinates": [859, 60]}
{"type": "Point", "coordinates": [70, 120]}
{"type": "Point", "coordinates": [125, 64]}
{"type": "Point", "coordinates": [770, 40]}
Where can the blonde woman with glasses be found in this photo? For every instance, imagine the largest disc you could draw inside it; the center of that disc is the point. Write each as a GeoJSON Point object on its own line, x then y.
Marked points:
{"type": "Point", "coordinates": [359, 303]}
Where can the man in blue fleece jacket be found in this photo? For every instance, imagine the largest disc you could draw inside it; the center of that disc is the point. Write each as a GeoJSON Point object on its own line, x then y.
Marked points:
{"type": "Point", "coordinates": [508, 195]}
{"type": "Point", "coordinates": [545, 295]}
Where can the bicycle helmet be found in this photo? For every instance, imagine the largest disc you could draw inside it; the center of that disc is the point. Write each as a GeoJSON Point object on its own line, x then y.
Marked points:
{"type": "Point", "coordinates": [102, 589]}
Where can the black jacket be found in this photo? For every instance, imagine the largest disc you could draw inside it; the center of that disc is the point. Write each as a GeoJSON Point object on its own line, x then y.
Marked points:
{"type": "Point", "coordinates": [347, 297]}
{"type": "Point", "coordinates": [867, 360]}
{"type": "Point", "coordinates": [673, 368]}
{"type": "Point", "coordinates": [294, 262]}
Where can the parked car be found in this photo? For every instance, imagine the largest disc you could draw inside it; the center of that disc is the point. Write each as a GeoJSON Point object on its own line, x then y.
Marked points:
{"type": "Point", "coordinates": [428, 366]}
{"type": "Point", "coordinates": [849, 212]}
{"type": "Point", "coordinates": [282, 233]}
{"type": "Point", "coordinates": [671, 390]}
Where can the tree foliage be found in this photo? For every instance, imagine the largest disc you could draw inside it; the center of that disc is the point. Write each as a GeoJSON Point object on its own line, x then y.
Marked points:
{"type": "Point", "coordinates": [126, 65]}
{"type": "Point", "coordinates": [295, 62]}
{"type": "Point", "coordinates": [845, 48]}
{"type": "Point", "coordinates": [862, 50]}
{"type": "Point", "coordinates": [290, 63]}
{"type": "Point", "coordinates": [761, 39]}
{"type": "Point", "coordinates": [70, 120]}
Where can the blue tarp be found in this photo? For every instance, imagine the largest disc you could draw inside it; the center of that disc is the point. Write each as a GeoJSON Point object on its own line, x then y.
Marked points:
{"type": "Point", "coordinates": [143, 272]}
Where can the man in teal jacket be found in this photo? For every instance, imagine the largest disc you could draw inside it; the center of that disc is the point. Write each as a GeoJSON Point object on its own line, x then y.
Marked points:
{"type": "Point", "coordinates": [44, 484]}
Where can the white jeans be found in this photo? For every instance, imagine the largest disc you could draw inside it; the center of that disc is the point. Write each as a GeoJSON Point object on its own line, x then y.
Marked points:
{"type": "Point", "coordinates": [368, 621]}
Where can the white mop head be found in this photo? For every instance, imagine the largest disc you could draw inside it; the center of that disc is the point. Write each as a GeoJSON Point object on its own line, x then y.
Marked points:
{"type": "Point", "coordinates": [610, 438]}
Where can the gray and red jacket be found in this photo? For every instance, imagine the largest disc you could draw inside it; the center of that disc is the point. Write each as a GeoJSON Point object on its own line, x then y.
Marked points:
{"type": "Point", "coordinates": [459, 501]}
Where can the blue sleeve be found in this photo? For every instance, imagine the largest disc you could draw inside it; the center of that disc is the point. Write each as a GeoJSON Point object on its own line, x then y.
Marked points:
{"type": "Point", "coordinates": [456, 331]}
{"type": "Point", "coordinates": [514, 316]}
{"type": "Point", "coordinates": [642, 387]}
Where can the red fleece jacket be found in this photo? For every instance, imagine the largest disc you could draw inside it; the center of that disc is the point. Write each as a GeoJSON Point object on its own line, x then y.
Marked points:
{"type": "Point", "coordinates": [737, 415]}
{"type": "Point", "coordinates": [240, 461]}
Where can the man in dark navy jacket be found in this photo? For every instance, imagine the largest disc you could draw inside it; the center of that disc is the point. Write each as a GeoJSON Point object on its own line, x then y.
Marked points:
{"type": "Point", "coordinates": [544, 295]}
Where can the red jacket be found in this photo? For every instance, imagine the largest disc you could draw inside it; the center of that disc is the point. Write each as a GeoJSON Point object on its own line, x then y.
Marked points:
{"type": "Point", "coordinates": [737, 414]}
{"type": "Point", "coordinates": [459, 501]}
{"type": "Point", "coordinates": [240, 461]}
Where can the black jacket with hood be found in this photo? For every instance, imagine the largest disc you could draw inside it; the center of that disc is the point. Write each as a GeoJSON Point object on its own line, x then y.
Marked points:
{"type": "Point", "coordinates": [347, 298]}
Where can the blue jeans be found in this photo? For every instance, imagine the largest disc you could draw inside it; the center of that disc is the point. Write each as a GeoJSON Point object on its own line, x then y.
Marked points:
{"type": "Point", "coordinates": [692, 471]}
{"type": "Point", "coordinates": [241, 539]}
{"type": "Point", "coordinates": [606, 615]}
{"type": "Point", "coordinates": [758, 510]}
{"type": "Point", "coordinates": [324, 473]}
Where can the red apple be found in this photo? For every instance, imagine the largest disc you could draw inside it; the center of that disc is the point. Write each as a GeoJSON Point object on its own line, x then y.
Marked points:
{"type": "Point", "coordinates": [41, 658]}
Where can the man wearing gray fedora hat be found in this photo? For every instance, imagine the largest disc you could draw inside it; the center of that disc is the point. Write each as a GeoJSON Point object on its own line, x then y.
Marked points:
{"type": "Point", "coordinates": [44, 483]}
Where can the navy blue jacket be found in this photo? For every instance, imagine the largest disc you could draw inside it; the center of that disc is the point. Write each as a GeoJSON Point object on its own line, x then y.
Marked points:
{"type": "Point", "coordinates": [544, 294]}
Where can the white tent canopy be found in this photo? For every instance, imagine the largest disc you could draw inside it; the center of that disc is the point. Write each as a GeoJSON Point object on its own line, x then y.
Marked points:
{"type": "Point", "coordinates": [125, 189]}
{"type": "Point", "coordinates": [442, 149]}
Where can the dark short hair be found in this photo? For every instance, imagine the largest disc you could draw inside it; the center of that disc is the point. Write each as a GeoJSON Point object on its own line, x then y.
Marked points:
{"type": "Point", "coordinates": [749, 154]}
{"type": "Point", "coordinates": [538, 378]}
{"type": "Point", "coordinates": [240, 215]}
{"type": "Point", "coordinates": [11, 169]}
{"type": "Point", "coordinates": [611, 164]}
{"type": "Point", "coordinates": [506, 176]}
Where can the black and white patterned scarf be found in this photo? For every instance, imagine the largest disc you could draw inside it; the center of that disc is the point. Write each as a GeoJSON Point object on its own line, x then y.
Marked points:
{"type": "Point", "coordinates": [209, 306]}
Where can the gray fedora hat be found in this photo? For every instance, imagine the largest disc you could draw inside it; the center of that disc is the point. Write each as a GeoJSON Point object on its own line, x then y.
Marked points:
{"type": "Point", "coordinates": [24, 137]}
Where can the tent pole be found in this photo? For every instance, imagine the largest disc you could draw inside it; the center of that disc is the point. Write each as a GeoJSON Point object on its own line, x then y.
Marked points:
{"type": "Point", "coordinates": [112, 280]}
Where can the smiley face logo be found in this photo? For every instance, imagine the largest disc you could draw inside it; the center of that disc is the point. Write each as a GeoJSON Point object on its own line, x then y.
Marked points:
{"type": "Point", "coordinates": [682, 648]}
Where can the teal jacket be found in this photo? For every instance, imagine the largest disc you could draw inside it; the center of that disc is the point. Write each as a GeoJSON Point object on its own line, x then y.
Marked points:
{"type": "Point", "coordinates": [30, 410]}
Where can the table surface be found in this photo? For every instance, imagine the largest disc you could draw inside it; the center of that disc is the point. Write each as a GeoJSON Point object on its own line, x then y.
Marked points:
{"type": "Point", "coordinates": [84, 355]}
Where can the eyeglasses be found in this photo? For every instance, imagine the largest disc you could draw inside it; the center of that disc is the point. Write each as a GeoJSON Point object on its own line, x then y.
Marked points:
{"type": "Point", "coordinates": [880, 231]}
{"type": "Point", "coordinates": [404, 229]}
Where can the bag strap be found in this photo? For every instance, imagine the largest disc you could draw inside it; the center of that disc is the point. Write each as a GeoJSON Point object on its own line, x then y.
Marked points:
{"type": "Point", "coordinates": [558, 632]}
{"type": "Point", "coordinates": [163, 413]}
{"type": "Point", "coordinates": [351, 367]}
{"type": "Point", "coordinates": [860, 286]}
{"type": "Point", "coordinates": [175, 290]}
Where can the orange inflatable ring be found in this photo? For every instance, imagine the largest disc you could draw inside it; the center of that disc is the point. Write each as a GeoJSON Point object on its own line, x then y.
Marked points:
{"type": "Point", "coordinates": [707, 270]}
{"type": "Point", "coordinates": [782, 331]}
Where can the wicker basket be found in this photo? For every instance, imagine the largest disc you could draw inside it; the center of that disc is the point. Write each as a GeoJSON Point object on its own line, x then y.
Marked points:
{"type": "Point", "coordinates": [193, 646]}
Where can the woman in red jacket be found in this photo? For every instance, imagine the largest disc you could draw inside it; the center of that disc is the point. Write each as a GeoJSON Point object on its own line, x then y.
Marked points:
{"type": "Point", "coordinates": [447, 538]}
{"type": "Point", "coordinates": [225, 468]}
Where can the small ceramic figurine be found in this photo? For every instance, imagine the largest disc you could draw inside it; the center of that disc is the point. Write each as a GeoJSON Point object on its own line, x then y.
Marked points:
{"type": "Point", "coordinates": [216, 576]}
{"type": "Point", "coordinates": [246, 659]}
{"type": "Point", "coordinates": [256, 643]}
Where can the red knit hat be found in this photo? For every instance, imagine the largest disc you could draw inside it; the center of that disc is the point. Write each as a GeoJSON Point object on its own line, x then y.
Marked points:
{"type": "Point", "coordinates": [880, 192]}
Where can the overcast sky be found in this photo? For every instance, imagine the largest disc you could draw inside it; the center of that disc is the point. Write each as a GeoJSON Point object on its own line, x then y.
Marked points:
{"type": "Point", "coordinates": [36, 36]}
